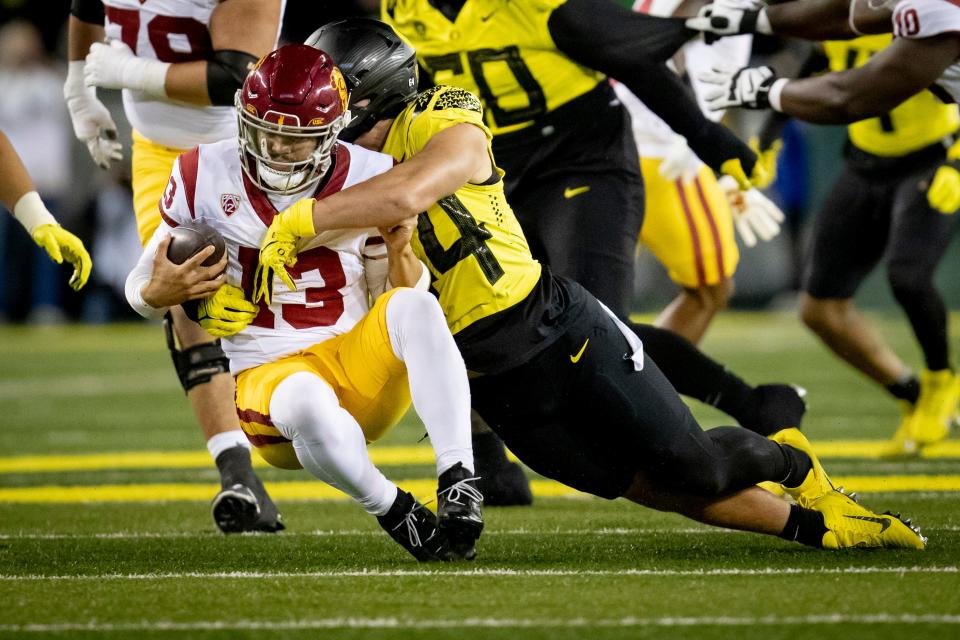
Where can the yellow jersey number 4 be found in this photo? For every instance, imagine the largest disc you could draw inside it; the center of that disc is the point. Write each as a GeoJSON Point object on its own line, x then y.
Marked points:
{"type": "Point", "coordinates": [472, 241]}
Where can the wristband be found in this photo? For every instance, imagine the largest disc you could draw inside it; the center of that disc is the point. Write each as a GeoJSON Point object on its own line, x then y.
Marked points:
{"type": "Point", "coordinates": [774, 95]}
{"type": "Point", "coordinates": [73, 86]}
{"type": "Point", "coordinates": [31, 212]}
{"type": "Point", "coordinates": [149, 76]}
{"type": "Point", "coordinates": [763, 23]}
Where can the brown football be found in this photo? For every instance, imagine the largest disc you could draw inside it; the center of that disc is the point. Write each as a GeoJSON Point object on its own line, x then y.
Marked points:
{"type": "Point", "coordinates": [190, 238]}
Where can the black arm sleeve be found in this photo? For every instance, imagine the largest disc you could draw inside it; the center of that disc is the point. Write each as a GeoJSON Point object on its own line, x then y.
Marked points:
{"type": "Point", "coordinates": [632, 48]}
{"type": "Point", "coordinates": [226, 71]}
{"type": "Point", "coordinates": [87, 11]}
{"type": "Point", "coordinates": [814, 63]}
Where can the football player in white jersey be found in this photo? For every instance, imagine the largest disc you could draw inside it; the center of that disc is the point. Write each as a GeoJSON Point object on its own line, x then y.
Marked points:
{"type": "Point", "coordinates": [20, 198]}
{"type": "Point", "coordinates": [327, 368]}
{"type": "Point", "coordinates": [689, 219]}
{"type": "Point", "coordinates": [925, 54]}
{"type": "Point", "coordinates": [179, 64]}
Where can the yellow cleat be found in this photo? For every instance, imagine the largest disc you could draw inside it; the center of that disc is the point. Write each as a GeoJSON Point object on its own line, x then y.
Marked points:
{"type": "Point", "coordinates": [851, 526]}
{"type": "Point", "coordinates": [937, 406]}
{"type": "Point", "coordinates": [816, 484]}
{"type": "Point", "coordinates": [904, 441]}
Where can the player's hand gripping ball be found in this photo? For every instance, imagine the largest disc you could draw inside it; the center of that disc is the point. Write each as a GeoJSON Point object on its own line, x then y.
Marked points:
{"type": "Point", "coordinates": [187, 240]}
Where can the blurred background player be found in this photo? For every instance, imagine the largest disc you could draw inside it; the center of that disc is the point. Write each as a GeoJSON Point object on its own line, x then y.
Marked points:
{"type": "Point", "coordinates": [21, 199]}
{"type": "Point", "coordinates": [179, 64]}
{"type": "Point", "coordinates": [316, 382]}
{"type": "Point", "coordinates": [897, 197]}
{"type": "Point", "coordinates": [541, 68]}
{"type": "Point", "coordinates": [688, 220]}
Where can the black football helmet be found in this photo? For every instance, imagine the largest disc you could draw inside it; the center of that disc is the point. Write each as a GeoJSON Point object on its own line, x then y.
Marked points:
{"type": "Point", "coordinates": [377, 65]}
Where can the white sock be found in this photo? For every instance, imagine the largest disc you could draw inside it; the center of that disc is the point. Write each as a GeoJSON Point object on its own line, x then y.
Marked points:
{"type": "Point", "coordinates": [438, 379]}
{"type": "Point", "coordinates": [220, 442]}
{"type": "Point", "coordinates": [328, 441]}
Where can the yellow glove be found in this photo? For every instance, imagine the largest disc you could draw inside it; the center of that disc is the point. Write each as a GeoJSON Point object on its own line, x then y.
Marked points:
{"type": "Point", "coordinates": [279, 247]}
{"type": "Point", "coordinates": [59, 244]}
{"type": "Point", "coordinates": [944, 192]}
{"type": "Point", "coordinates": [767, 159]}
{"type": "Point", "coordinates": [226, 312]}
{"type": "Point", "coordinates": [734, 168]}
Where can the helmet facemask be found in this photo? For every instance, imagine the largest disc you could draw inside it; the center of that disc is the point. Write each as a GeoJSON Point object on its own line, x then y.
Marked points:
{"type": "Point", "coordinates": [273, 172]}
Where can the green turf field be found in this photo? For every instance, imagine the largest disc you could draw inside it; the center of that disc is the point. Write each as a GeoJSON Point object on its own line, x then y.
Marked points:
{"type": "Point", "coordinates": [94, 413]}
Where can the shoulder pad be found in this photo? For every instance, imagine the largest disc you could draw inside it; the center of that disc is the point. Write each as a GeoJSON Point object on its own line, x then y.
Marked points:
{"type": "Point", "coordinates": [448, 98]}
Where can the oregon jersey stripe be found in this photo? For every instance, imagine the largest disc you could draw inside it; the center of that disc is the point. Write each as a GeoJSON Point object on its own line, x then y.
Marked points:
{"type": "Point", "coordinates": [499, 50]}
{"type": "Point", "coordinates": [918, 122]}
{"type": "Point", "coordinates": [478, 257]}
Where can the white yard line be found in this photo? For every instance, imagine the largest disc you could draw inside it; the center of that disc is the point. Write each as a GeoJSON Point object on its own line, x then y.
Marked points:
{"type": "Point", "coordinates": [485, 573]}
{"type": "Point", "coordinates": [375, 533]}
{"type": "Point", "coordinates": [330, 533]}
{"type": "Point", "coordinates": [537, 623]}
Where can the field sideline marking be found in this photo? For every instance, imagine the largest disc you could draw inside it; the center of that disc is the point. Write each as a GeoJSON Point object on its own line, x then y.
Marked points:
{"type": "Point", "coordinates": [383, 456]}
{"type": "Point", "coordinates": [485, 573]}
{"type": "Point", "coordinates": [527, 623]}
{"type": "Point", "coordinates": [315, 490]}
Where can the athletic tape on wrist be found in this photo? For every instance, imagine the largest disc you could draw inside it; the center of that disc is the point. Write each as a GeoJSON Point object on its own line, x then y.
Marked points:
{"type": "Point", "coordinates": [31, 212]}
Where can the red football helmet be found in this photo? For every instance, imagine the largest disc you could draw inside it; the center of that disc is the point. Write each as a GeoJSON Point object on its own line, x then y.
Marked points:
{"type": "Point", "coordinates": [290, 110]}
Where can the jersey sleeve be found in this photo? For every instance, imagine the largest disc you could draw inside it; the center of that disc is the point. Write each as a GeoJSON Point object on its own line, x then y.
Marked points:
{"type": "Point", "coordinates": [916, 19]}
{"type": "Point", "coordinates": [176, 202]}
{"type": "Point", "coordinates": [141, 274]}
{"type": "Point", "coordinates": [440, 108]}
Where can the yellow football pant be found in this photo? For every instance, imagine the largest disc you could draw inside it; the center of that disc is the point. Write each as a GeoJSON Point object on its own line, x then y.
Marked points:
{"type": "Point", "coordinates": [151, 164]}
{"type": "Point", "coordinates": [688, 227]}
{"type": "Point", "coordinates": [360, 367]}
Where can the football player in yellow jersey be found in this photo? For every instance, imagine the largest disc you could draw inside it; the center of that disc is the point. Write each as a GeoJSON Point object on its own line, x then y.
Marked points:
{"type": "Point", "coordinates": [541, 69]}
{"type": "Point", "coordinates": [877, 211]}
{"type": "Point", "coordinates": [22, 200]}
{"type": "Point", "coordinates": [881, 207]}
{"type": "Point", "coordinates": [564, 382]}
{"type": "Point", "coordinates": [179, 63]}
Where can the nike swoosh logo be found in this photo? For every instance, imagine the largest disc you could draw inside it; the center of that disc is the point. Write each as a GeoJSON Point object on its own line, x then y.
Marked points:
{"type": "Point", "coordinates": [575, 359]}
{"type": "Point", "coordinates": [883, 522]}
{"type": "Point", "coordinates": [570, 193]}
{"type": "Point", "coordinates": [487, 17]}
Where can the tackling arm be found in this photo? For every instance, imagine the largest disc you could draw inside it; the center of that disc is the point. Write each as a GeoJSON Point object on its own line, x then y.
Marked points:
{"type": "Point", "coordinates": [450, 159]}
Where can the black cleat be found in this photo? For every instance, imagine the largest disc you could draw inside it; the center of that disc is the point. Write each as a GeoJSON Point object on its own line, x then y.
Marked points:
{"type": "Point", "coordinates": [243, 508]}
{"type": "Point", "coordinates": [507, 486]}
{"type": "Point", "coordinates": [458, 511]}
{"type": "Point", "coordinates": [414, 527]}
{"type": "Point", "coordinates": [774, 407]}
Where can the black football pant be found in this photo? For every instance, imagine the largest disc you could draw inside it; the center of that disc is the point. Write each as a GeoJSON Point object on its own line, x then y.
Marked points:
{"type": "Point", "coordinates": [877, 210]}
{"type": "Point", "coordinates": [591, 422]}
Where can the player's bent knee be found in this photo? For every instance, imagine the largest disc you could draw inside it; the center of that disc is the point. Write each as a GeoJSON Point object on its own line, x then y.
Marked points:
{"type": "Point", "coordinates": [821, 315]}
{"type": "Point", "coordinates": [300, 406]}
{"type": "Point", "coordinates": [908, 280]}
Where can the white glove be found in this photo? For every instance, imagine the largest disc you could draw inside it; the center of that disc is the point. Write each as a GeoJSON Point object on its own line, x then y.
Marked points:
{"type": "Point", "coordinates": [114, 66]}
{"type": "Point", "coordinates": [730, 18]}
{"type": "Point", "coordinates": [754, 214]}
{"type": "Point", "coordinates": [92, 123]}
{"type": "Point", "coordinates": [680, 162]}
{"type": "Point", "coordinates": [747, 87]}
